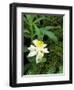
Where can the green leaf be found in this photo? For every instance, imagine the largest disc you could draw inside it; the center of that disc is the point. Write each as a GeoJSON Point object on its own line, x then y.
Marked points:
{"type": "Point", "coordinates": [48, 27]}
{"type": "Point", "coordinates": [39, 19]}
{"type": "Point", "coordinates": [26, 31]}
{"type": "Point", "coordinates": [32, 60]}
{"type": "Point", "coordinates": [25, 20]}
{"type": "Point", "coordinates": [26, 67]}
{"type": "Point", "coordinates": [50, 34]}
{"type": "Point", "coordinates": [29, 18]}
{"type": "Point", "coordinates": [27, 35]}
{"type": "Point", "coordinates": [61, 69]}
{"type": "Point", "coordinates": [38, 32]}
{"type": "Point", "coordinates": [34, 69]}
{"type": "Point", "coordinates": [51, 69]}
{"type": "Point", "coordinates": [41, 60]}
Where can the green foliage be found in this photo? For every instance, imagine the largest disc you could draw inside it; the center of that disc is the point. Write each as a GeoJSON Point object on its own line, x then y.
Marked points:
{"type": "Point", "coordinates": [33, 29]}
{"type": "Point", "coordinates": [50, 30]}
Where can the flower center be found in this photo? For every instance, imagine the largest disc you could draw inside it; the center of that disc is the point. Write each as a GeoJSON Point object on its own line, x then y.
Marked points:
{"type": "Point", "coordinates": [39, 44]}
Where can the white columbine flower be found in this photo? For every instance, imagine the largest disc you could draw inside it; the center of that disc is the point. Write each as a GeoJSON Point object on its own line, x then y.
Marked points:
{"type": "Point", "coordinates": [38, 50]}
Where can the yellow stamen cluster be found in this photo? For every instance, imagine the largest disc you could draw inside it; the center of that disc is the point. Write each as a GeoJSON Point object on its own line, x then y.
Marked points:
{"type": "Point", "coordinates": [39, 43]}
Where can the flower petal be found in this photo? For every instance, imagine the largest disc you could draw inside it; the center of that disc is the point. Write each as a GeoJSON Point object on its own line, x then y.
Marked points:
{"type": "Point", "coordinates": [32, 48]}
{"type": "Point", "coordinates": [44, 45]}
{"type": "Point", "coordinates": [35, 41]}
{"type": "Point", "coordinates": [39, 57]}
{"type": "Point", "coordinates": [45, 50]}
{"type": "Point", "coordinates": [32, 53]}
